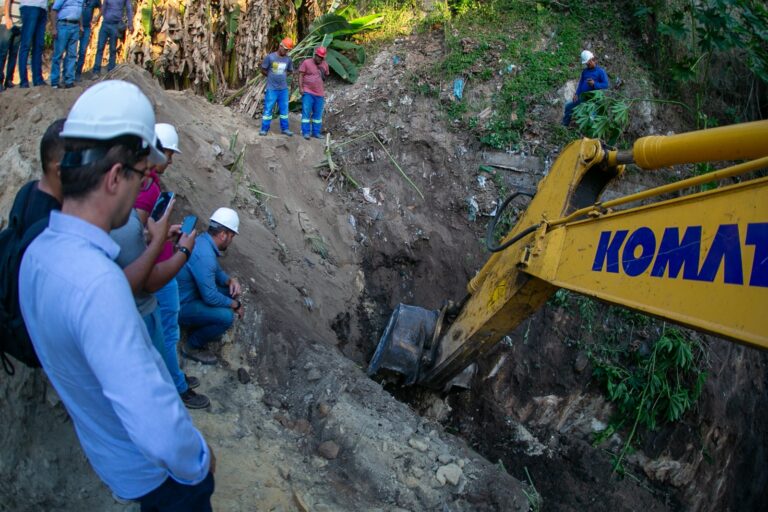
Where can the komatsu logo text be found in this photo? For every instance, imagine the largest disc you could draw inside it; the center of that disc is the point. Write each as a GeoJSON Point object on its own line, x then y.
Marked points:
{"type": "Point", "coordinates": [675, 256]}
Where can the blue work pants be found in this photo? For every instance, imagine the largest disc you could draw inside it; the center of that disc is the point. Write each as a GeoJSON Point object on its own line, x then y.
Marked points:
{"type": "Point", "coordinates": [272, 96]}
{"type": "Point", "coordinates": [168, 304]}
{"type": "Point", "coordinates": [67, 35]}
{"type": "Point", "coordinates": [206, 323]}
{"type": "Point", "coordinates": [107, 33]}
{"type": "Point", "coordinates": [172, 496]}
{"type": "Point", "coordinates": [311, 114]}
{"type": "Point", "coordinates": [167, 351]}
{"type": "Point", "coordinates": [9, 49]}
{"type": "Point", "coordinates": [569, 112]}
{"type": "Point", "coordinates": [33, 21]}
{"type": "Point", "coordinates": [85, 39]}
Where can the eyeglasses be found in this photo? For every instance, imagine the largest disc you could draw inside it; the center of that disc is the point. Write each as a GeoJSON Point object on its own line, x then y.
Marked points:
{"type": "Point", "coordinates": [146, 181]}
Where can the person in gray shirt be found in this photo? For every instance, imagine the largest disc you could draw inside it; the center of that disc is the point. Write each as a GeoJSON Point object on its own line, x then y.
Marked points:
{"type": "Point", "coordinates": [137, 259]}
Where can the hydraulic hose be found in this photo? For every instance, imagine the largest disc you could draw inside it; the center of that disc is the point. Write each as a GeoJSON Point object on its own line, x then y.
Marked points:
{"type": "Point", "coordinates": [489, 244]}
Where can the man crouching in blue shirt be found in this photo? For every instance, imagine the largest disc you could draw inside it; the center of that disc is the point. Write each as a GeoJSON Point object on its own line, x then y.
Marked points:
{"type": "Point", "coordinates": [593, 78]}
{"type": "Point", "coordinates": [208, 296]}
{"type": "Point", "coordinates": [81, 315]}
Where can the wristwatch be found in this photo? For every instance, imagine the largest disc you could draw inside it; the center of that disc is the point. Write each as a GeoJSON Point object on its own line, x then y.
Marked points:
{"type": "Point", "coordinates": [239, 304]}
{"type": "Point", "coordinates": [186, 252]}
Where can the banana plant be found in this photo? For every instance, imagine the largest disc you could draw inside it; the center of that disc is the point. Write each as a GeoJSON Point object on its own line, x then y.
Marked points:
{"type": "Point", "coordinates": [330, 30]}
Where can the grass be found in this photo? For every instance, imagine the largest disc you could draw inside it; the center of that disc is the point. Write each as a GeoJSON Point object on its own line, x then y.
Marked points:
{"type": "Point", "coordinates": [524, 48]}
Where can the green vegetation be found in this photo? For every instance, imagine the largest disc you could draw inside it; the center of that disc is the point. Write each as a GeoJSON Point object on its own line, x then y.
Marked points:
{"type": "Point", "coordinates": [517, 53]}
{"type": "Point", "coordinates": [529, 46]}
{"type": "Point", "coordinates": [706, 49]}
{"type": "Point", "coordinates": [651, 372]}
{"type": "Point", "coordinates": [650, 387]}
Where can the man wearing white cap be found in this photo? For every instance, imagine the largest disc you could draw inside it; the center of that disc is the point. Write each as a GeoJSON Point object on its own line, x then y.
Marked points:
{"type": "Point", "coordinates": [208, 295]}
{"type": "Point", "coordinates": [83, 321]}
{"type": "Point", "coordinates": [593, 78]}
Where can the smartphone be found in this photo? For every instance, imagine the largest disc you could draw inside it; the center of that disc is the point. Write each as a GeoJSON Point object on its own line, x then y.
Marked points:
{"type": "Point", "coordinates": [188, 224]}
{"type": "Point", "coordinates": [161, 205]}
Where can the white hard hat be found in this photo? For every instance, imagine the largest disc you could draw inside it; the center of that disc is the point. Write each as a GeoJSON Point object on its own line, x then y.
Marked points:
{"type": "Point", "coordinates": [586, 56]}
{"type": "Point", "coordinates": [168, 137]}
{"type": "Point", "coordinates": [227, 217]}
{"type": "Point", "coordinates": [110, 109]}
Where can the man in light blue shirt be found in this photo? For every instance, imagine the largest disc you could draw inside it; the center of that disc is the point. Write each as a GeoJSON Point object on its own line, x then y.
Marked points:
{"type": "Point", "coordinates": [66, 34]}
{"type": "Point", "coordinates": [81, 315]}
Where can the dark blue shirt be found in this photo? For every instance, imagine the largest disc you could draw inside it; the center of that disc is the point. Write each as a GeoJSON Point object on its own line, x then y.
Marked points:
{"type": "Point", "coordinates": [88, 8]}
{"type": "Point", "coordinates": [598, 75]}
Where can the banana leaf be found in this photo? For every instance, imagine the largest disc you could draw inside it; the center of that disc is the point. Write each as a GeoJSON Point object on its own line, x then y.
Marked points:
{"type": "Point", "coordinates": [349, 45]}
{"type": "Point", "coordinates": [360, 24]}
{"type": "Point", "coordinates": [146, 18]}
{"type": "Point", "coordinates": [233, 19]}
{"type": "Point", "coordinates": [343, 67]}
{"type": "Point", "coordinates": [328, 24]}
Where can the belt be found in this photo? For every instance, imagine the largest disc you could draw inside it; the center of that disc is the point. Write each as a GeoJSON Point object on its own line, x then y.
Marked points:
{"type": "Point", "coordinates": [69, 22]}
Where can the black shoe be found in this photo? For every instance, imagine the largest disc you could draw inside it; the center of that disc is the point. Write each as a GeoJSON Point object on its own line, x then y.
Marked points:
{"type": "Point", "coordinates": [68, 86]}
{"type": "Point", "coordinates": [306, 137]}
{"type": "Point", "coordinates": [203, 356]}
{"type": "Point", "coordinates": [192, 381]}
{"type": "Point", "coordinates": [288, 133]}
{"type": "Point", "coordinates": [193, 400]}
{"type": "Point", "coordinates": [317, 136]}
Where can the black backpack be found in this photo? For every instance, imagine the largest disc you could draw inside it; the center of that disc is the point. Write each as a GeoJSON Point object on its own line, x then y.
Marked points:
{"type": "Point", "coordinates": [14, 240]}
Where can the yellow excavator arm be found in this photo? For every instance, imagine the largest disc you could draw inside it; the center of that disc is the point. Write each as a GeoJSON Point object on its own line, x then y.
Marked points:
{"type": "Point", "coordinates": [699, 259]}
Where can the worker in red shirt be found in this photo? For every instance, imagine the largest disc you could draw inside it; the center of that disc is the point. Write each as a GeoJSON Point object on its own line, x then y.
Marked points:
{"type": "Point", "coordinates": [312, 74]}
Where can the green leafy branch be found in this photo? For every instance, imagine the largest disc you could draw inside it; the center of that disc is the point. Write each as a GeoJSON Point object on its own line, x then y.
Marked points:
{"type": "Point", "coordinates": [652, 388]}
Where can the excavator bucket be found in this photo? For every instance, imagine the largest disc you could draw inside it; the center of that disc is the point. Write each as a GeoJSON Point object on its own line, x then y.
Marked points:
{"type": "Point", "coordinates": [400, 347]}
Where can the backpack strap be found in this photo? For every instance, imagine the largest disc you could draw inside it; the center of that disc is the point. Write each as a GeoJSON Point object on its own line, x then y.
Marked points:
{"type": "Point", "coordinates": [19, 208]}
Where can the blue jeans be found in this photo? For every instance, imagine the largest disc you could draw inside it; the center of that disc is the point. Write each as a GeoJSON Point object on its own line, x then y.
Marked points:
{"type": "Point", "coordinates": [272, 96]}
{"type": "Point", "coordinates": [311, 114]}
{"type": "Point", "coordinates": [167, 351]}
{"type": "Point", "coordinates": [33, 21]}
{"type": "Point", "coordinates": [569, 112]}
{"type": "Point", "coordinates": [109, 33]}
{"type": "Point", "coordinates": [85, 38]}
{"type": "Point", "coordinates": [67, 35]}
{"type": "Point", "coordinates": [168, 305]}
{"type": "Point", "coordinates": [206, 323]}
{"type": "Point", "coordinates": [172, 496]}
{"type": "Point", "coordinates": [9, 49]}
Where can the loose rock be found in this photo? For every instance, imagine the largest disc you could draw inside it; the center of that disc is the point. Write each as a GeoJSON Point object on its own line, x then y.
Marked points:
{"type": "Point", "coordinates": [450, 473]}
{"type": "Point", "coordinates": [328, 450]}
{"type": "Point", "coordinates": [418, 444]}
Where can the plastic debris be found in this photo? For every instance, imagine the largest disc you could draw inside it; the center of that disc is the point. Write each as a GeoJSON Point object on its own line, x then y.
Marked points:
{"type": "Point", "coordinates": [396, 60]}
{"type": "Point", "coordinates": [473, 208]}
{"type": "Point", "coordinates": [368, 197]}
{"type": "Point", "coordinates": [458, 88]}
{"type": "Point", "coordinates": [481, 181]}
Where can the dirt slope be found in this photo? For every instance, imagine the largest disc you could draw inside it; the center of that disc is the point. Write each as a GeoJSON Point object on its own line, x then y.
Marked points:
{"type": "Point", "coordinates": [268, 433]}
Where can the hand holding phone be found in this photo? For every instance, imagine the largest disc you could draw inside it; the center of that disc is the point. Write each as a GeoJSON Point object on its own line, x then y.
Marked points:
{"type": "Point", "coordinates": [157, 225]}
{"type": "Point", "coordinates": [187, 234]}
{"type": "Point", "coordinates": [188, 224]}
{"type": "Point", "coordinates": [161, 205]}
